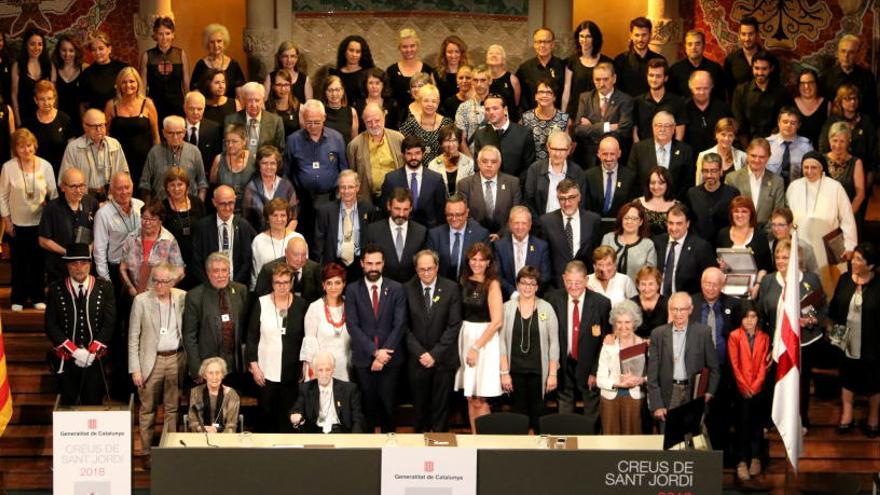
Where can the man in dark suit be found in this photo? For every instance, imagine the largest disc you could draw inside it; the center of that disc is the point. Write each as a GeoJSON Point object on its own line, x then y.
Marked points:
{"type": "Point", "coordinates": [435, 306]}
{"type": "Point", "coordinates": [399, 237]}
{"type": "Point", "coordinates": [426, 186]}
{"type": "Point", "coordinates": [583, 324]}
{"type": "Point", "coordinates": [341, 225]}
{"type": "Point", "coordinates": [602, 111]}
{"type": "Point", "coordinates": [306, 278]}
{"type": "Point", "coordinates": [214, 321]}
{"type": "Point", "coordinates": [453, 238]}
{"type": "Point", "coordinates": [203, 133]}
{"type": "Point", "coordinates": [679, 350]}
{"type": "Point", "coordinates": [543, 175]}
{"type": "Point", "coordinates": [555, 226]}
{"type": "Point", "coordinates": [721, 314]}
{"type": "Point", "coordinates": [515, 141]}
{"type": "Point", "coordinates": [326, 404]}
{"type": "Point", "coordinates": [375, 309]}
{"type": "Point", "coordinates": [681, 256]}
{"type": "Point", "coordinates": [610, 186]}
{"type": "Point", "coordinates": [261, 127]}
{"type": "Point", "coordinates": [518, 249]}
{"type": "Point", "coordinates": [224, 232]}
{"type": "Point", "coordinates": [664, 151]}
{"type": "Point", "coordinates": [490, 195]}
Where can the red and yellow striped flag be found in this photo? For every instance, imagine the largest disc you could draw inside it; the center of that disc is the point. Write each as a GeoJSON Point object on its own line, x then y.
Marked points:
{"type": "Point", "coordinates": [5, 391]}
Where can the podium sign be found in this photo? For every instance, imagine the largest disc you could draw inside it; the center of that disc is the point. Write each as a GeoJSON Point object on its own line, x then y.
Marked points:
{"type": "Point", "coordinates": [429, 471]}
{"type": "Point", "coordinates": [91, 451]}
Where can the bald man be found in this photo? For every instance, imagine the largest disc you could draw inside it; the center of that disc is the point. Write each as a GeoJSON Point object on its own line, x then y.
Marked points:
{"type": "Point", "coordinates": [95, 154]}
{"type": "Point", "coordinates": [174, 152]}
{"type": "Point", "coordinates": [378, 147]}
{"type": "Point", "coordinates": [721, 314]}
{"type": "Point", "coordinates": [227, 233]}
{"type": "Point", "coordinates": [66, 219]}
{"type": "Point", "coordinates": [306, 273]}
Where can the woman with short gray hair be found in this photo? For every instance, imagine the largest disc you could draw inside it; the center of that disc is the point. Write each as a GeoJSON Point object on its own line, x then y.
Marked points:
{"type": "Point", "coordinates": [213, 406]}
{"type": "Point", "coordinates": [621, 372]}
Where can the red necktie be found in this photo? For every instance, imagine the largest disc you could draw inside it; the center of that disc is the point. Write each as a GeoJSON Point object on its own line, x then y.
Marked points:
{"type": "Point", "coordinates": [376, 301]}
{"type": "Point", "coordinates": [575, 329]}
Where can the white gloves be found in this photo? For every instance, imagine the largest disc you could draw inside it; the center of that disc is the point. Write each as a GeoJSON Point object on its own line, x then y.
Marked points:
{"type": "Point", "coordinates": [82, 358]}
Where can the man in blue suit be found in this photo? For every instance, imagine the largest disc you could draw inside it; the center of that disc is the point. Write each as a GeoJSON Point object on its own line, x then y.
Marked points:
{"type": "Point", "coordinates": [452, 239]}
{"type": "Point", "coordinates": [519, 249]}
{"type": "Point", "coordinates": [375, 309]}
{"type": "Point", "coordinates": [427, 187]}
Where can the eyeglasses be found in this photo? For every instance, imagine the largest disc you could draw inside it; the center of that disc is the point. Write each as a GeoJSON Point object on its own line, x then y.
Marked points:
{"type": "Point", "coordinates": [149, 219]}
{"type": "Point", "coordinates": [427, 270]}
{"type": "Point", "coordinates": [96, 126]}
{"type": "Point", "coordinates": [162, 281]}
{"type": "Point", "coordinates": [281, 282]}
{"type": "Point", "coordinates": [175, 133]}
{"type": "Point", "coordinates": [664, 126]}
{"type": "Point", "coordinates": [631, 219]}
{"type": "Point", "coordinates": [527, 283]}
{"type": "Point", "coordinates": [679, 310]}
{"type": "Point", "coordinates": [225, 204]}
{"type": "Point", "coordinates": [76, 186]}
{"type": "Point", "coordinates": [544, 42]}
{"type": "Point", "coordinates": [282, 85]}
{"type": "Point", "coordinates": [570, 197]}
{"type": "Point", "coordinates": [455, 215]}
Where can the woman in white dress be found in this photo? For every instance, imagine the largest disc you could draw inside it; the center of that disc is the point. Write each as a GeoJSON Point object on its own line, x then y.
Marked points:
{"type": "Point", "coordinates": [269, 245]}
{"type": "Point", "coordinates": [478, 343]}
{"type": "Point", "coordinates": [820, 205]}
{"type": "Point", "coordinates": [325, 325]}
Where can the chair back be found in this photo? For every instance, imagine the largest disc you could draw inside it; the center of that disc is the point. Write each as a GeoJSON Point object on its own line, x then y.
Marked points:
{"type": "Point", "coordinates": [565, 424]}
{"type": "Point", "coordinates": [503, 423]}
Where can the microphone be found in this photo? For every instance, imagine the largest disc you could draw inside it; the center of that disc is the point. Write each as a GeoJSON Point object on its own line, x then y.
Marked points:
{"type": "Point", "coordinates": [198, 407]}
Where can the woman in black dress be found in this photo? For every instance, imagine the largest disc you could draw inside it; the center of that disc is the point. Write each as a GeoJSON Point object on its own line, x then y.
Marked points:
{"type": "Point", "coordinates": [288, 59]}
{"type": "Point", "coordinates": [452, 56]}
{"type": "Point", "coordinates": [855, 303]}
{"type": "Point", "coordinates": [353, 59]}
{"type": "Point", "coordinates": [215, 39]}
{"type": "Point", "coordinates": [340, 115]}
{"type": "Point", "coordinates": [579, 69]}
{"type": "Point", "coordinates": [33, 65]}
{"type": "Point", "coordinates": [281, 101]}
{"type": "Point", "coordinates": [377, 90]}
{"type": "Point", "coordinates": [503, 82]}
{"type": "Point", "coordinates": [400, 72]}
{"type": "Point", "coordinates": [217, 104]}
{"type": "Point", "coordinates": [744, 234]}
{"type": "Point", "coordinates": [49, 125]}
{"type": "Point", "coordinates": [166, 70]}
{"type": "Point", "coordinates": [132, 120]}
{"type": "Point", "coordinates": [182, 210]}
{"type": "Point", "coordinates": [68, 60]}
{"type": "Point", "coordinates": [811, 105]}
{"type": "Point", "coordinates": [650, 301]}
{"type": "Point", "coordinates": [98, 81]}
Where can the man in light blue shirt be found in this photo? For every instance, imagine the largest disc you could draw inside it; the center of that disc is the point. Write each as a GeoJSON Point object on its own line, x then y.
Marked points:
{"type": "Point", "coordinates": [786, 147]}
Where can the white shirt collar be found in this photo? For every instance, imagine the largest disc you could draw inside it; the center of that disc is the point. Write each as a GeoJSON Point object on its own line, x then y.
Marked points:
{"type": "Point", "coordinates": [394, 227]}
{"type": "Point", "coordinates": [377, 283]}
{"type": "Point", "coordinates": [227, 222]}
{"type": "Point", "coordinates": [484, 180]}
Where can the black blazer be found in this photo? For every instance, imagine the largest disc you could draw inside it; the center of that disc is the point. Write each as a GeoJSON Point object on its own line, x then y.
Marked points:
{"type": "Point", "coordinates": [438, 240]}
{"type": "Point", "coordinates": [60, 317]}
{"type": "Point", "coordinates": [398, 270]}
{"type": "Point", "coordinates": [625, 190]}
{"type": "Point", "coordinates": [432, 195]}
{"type": "Point", "coordinates": [201, 324]}
{"type": "Point", "coordinates": [436, 330]}
{"type": "Point", "coordinates": [369, 333]}
{"type": "Point", "coordinates": [206, 241]}
{"type": "Point", "coordinates": [210, 141]}
{"type": "Point", "coordinates": [537, 186]}
{"type": "Point", "coordinates": [311, 286]}
{"type": "Point", "coordinates": [595, 309]}
{"type": "Point", "coordinates": [323, 245]}
{"type": "Point", "coordinates": [507, 195]}
{"type": "Point", "coordinates": [517, 147]}
{"type": "Point", "coordinates": [553, 230]}
{"type": "Point", "coordinates": [291, 340]}
{"type": "Point", "coordinates": [348, 407]}
{"type": "Point", "coordinates": [696, 255]}
{"type": "Point", "coordinates": [619, 111]}
{"type": "Point", "coordinates": [681, 164]}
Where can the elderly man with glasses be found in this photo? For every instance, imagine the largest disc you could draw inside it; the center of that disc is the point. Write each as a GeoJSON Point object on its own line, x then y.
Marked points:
{"type": "Point", "coordinates": [174, 152]}
{"type": "Point", "coordinates": [95, 154]}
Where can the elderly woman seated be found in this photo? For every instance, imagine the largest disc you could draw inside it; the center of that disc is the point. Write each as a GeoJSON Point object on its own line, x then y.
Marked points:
{"type": "Point", "coordinates": [213, 407]}
{"type": "Point", "coordinates": [621, 372]}
{"type": "Point", "coordinates": [326, 404]}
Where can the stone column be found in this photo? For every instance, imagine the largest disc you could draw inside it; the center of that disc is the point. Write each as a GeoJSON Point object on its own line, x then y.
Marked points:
{"type": "Point", "coordinates": [668, 28]}
{"type": "Point", "coordinates": [262, 36]}
{"type": "Point", "coordinates": [558, 17]}
{"type": "Point", "coordinates": [148, 11]}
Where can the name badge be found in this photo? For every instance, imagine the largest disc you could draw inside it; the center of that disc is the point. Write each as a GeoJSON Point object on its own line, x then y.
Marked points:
{"type": "Point", "coordinates": [163, 331]}
{"type": "Point", "coordinates": [186, 231]}
{"type": "Point", "coordinates": [253, 142]}
{"type": "Point", "coordinates": [283, 331]}
{"type": "Point", "coordinates": [225, 318]}
{"type": "Point", "coordinates": [316, 165]}
{"type": "Point", "coordinates": [216, 425]}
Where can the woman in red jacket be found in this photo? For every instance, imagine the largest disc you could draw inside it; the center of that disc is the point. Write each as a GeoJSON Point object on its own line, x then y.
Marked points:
{"type": "Point", "coordinates": [748, 347]}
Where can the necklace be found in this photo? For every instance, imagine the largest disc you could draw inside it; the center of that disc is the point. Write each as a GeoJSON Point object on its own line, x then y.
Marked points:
{"type": "Point", "coordinates": [281, 313]}
{"type": "Point", "coordinates": [32, 192]}
{"type": "Point", "coordinates": [525, 335]}
{"type": "Point", "coordinates": [336, 325]}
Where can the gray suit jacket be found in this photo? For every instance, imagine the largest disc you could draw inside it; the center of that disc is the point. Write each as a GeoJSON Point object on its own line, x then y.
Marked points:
{"type": "Point", "coordinates": [143, 329]}
{"type": "Point", "coordinates": [772, 192]}
{"type": "Point", "coordinates": [699, 353]}
{"type": "Point", "coordinates": [271, 128]}
{"type": "Point", "coordinates": [507, 196]}
{"type": "Point", "coordinates": [202, 335]}
{"type": "Point", "coordinates": [358, 154]}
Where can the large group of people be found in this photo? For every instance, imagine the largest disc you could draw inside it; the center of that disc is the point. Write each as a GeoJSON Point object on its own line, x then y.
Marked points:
{"type": "Point", "coordinates": [552, 231]}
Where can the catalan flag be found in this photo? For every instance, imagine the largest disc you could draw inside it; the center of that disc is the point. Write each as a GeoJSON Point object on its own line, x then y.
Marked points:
{"type": "Point", "coordinates": [5, 391]}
